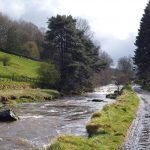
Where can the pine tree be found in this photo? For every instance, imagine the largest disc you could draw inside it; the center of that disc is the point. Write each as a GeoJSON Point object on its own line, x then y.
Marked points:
{"type": "Point", "coordinates": [73, 53]}
{"type": "Point", "coordinates": [142, 52]}
{"type": "Point", "coordinates": [67, 51]}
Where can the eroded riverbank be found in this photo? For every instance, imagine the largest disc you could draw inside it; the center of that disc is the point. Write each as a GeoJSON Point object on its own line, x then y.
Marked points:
{"type": "Point", "coordinates": [41, 122]}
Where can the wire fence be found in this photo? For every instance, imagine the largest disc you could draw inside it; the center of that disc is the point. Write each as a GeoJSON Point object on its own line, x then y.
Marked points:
{"type": "Point", "coordinates": [19, 54]}
{"type": "Point", "coordinates": [19, 79]}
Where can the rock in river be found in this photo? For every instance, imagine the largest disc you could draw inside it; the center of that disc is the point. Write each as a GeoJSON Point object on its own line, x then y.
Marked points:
{"type": "Point", "coordinates": [96, 100]}
{"type": "Point", "coordinates": [8, 115]}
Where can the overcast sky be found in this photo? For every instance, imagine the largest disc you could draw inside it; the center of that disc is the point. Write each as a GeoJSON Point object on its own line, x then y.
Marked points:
{"type": "Point", "coordinates": [114, 22]}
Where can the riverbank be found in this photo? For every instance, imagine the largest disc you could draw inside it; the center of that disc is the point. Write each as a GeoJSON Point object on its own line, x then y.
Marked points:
{"type": "Point", "coordinates": [41, 122]}
{"type": "Point", "coordinates": [107, 128]}
{"type": "Point", "coordinates": [22, 92]}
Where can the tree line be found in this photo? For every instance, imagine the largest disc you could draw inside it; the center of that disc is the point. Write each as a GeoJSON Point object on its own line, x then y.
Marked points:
{"type": "Point", "coordinates": [71, 48]}
{"type": "Point", "coordinates": [75, 60]}
{"type": "Point", "coordinates": [20, 37]}
{"type": "Point", "coordinates": [68, 45]}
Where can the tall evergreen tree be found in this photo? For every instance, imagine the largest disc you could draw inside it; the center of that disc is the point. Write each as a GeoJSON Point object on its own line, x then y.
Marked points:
{"type": "Point", "coordinates": [142, 52]}
{"type": "Point", "coordinates": [74, 54]}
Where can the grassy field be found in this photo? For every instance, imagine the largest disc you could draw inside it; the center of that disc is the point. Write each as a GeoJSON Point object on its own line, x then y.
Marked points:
{"type": "Point", "coordinates": [107, 128]}
{"type": "Point", "coordinates": [19, 66]}
{"type": "Point", "coordinates": [22, 91]}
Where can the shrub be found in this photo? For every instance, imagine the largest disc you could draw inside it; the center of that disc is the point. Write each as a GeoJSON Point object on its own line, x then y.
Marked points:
{"type": "Point", "coordinates": [48, 73]}
{"type": "Point", "coordinates": [5, 60]}
{"type": "Point", "coordinates": [31, 49]}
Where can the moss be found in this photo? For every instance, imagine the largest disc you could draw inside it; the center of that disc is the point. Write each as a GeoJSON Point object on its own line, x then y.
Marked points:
{"type": "Point", "coordinates": [93, 128]}
{"type": "Point", "coordinates": [12, 103]}
{"type": "Point", "coordinates": [112, 96]}
{"type": "Point", "coordinates": [96, 114]}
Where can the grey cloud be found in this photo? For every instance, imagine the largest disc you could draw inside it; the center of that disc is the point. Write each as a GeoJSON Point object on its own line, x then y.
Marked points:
{"type": "Point", "coordinates": [33, 11]}
{"type": "Point", "coordinates": [38, 12]}
{"type": "Point", "coordinates": [117, 48]}
{"type": "Point", "coordinates": [38, 18]}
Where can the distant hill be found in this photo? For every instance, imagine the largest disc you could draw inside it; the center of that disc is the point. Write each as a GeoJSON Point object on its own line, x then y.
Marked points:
{"type": "Point", "coordinates": [19, 66]}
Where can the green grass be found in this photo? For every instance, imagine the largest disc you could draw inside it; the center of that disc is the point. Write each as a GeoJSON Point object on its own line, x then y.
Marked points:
{"type": "Point", "coordinates": [7, 84]}
{"type": "Point", "coordinates": [107, 128]}
{"type": "Point", "coordinates": [19, 66]}
{"type": "Point", "coordinates": [29, 95]}
{"type": "Point", "coordinates": [22, 91]}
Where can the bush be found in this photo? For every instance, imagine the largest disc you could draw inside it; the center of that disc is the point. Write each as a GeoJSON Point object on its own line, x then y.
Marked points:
{"type": "Point", "coordinates": [31, 49]}
{"type": "Point", "coordinates": [5, 60]}
{"type": "Point", "coordinates": [48, 73]}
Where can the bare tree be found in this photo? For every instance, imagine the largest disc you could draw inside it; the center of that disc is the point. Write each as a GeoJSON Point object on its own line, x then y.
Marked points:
{"type": "Point", "coordinates": [104, 76]}
{"type": "Point", "coordinates": [4, 25]}
{"type": "Point", "coordinates": [83, 25]}
{"type": "Point", "coordinates": [14, 35]}
{"type": "Point", "coordinates": [124, 71]}
{"type": "Point", "coordinates": [31, 49]}
{"type": "Point", "coordinates": [125, 65]}
{"type": "Point", "coordinates": [105, 58]}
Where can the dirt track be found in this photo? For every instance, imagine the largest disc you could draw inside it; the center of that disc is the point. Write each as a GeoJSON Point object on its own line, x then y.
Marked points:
{"type": "Point", "coordinates": [139, 133]}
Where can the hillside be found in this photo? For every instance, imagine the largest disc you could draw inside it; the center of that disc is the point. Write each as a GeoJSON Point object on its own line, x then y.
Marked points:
{"type": "Point", "coordinates": [19, 66]}
{"type": "Point", "coordinates": [25, 90]}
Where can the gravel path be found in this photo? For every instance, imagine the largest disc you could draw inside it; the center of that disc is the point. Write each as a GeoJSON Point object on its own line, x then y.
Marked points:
{"type": "Point", "coordinates": [139, 133]}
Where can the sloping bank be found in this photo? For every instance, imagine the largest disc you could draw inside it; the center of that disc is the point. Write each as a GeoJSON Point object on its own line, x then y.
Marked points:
{"type": "Point", "coordinates": [107, 128]}
{"type": "Point", "coordinates": [22, 92]}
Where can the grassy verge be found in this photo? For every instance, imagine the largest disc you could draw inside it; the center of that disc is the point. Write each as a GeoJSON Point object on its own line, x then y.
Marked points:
{"type": "Point", "coordinates": [22, 92]}
{"type": "Point", "coordinates": [26, 95]}
{"type": "Point", "coordinates": [107, 128]}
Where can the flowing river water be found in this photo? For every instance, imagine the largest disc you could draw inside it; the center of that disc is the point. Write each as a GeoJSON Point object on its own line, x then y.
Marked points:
{"type": "Point", "coordinates": [40, 123]}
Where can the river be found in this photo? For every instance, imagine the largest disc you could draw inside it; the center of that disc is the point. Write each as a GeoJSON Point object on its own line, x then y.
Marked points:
{"type": "Point", "coordinates": [40, 123]}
